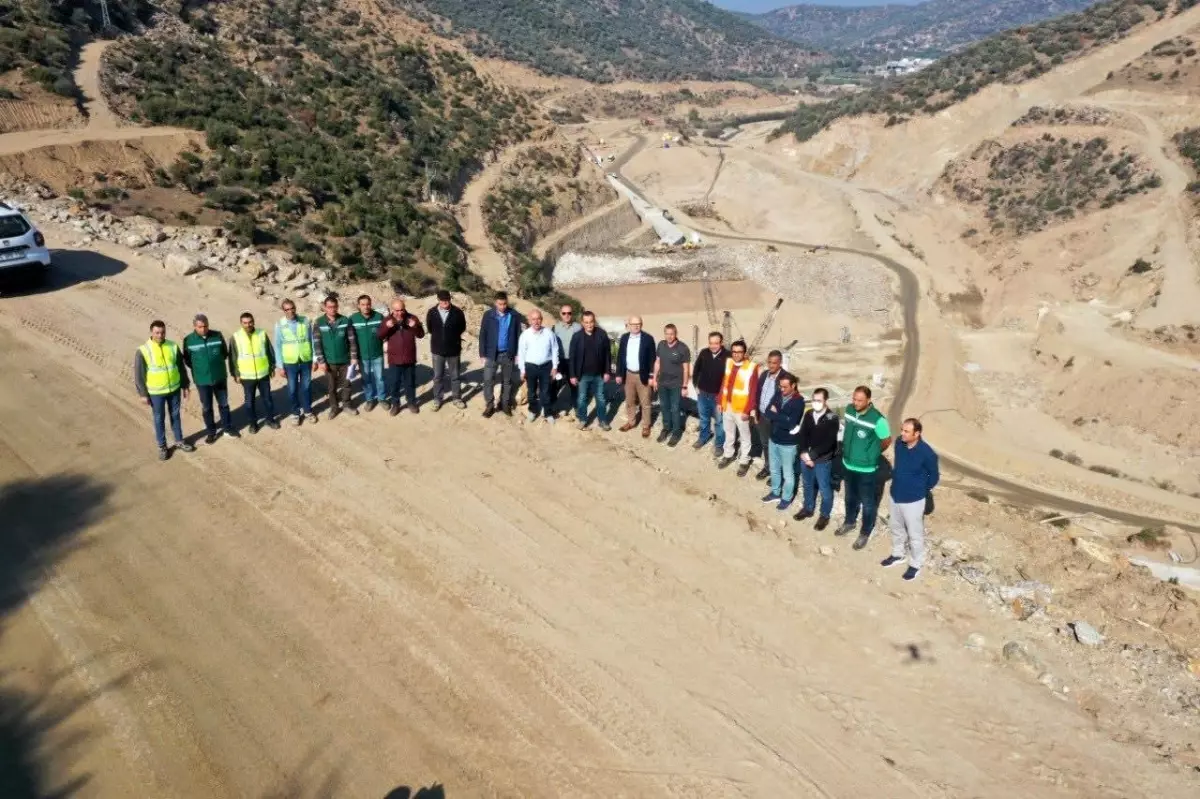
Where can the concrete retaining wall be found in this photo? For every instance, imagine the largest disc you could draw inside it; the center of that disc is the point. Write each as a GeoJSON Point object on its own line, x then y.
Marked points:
{"type": "Point", "coordinates": [601, 232]}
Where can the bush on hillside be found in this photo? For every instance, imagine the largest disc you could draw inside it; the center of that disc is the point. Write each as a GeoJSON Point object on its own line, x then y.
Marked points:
{"type": "Point", "coordinates": [356, 139]}
{"type": "Point", "coordinates": [1010, 57]}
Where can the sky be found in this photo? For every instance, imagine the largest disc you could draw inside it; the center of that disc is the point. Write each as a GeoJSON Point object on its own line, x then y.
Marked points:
{"type": "Point", "coordinates": [757, 6]}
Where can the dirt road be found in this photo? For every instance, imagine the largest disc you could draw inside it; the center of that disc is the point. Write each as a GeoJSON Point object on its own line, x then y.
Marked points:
{"type": "Point", "coordinates": [509, 611]}
{"type": "Point", "coordinates": [909, 300]}
{"type": "Point", "coordinates": [102, 124]}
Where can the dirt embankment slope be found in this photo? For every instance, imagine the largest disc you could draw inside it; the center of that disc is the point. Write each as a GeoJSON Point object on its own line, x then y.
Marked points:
{"type": "Point", "coordinates": [377, 601]}
{"type": "Point", "coordinates": [68, 156]}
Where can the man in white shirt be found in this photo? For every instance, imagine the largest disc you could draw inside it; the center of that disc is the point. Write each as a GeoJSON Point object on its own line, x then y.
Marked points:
{"type": "Point", "coordinates": [635, 372]}
{"type": "Point", "coordinates": [537, 361]}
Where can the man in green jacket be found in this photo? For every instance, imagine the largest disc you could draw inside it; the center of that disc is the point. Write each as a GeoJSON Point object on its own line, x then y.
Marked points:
{"type": "Point", "coordinates": [366, 323]}
{"type": "Point", "coordinates": [865, 435]}
{"type": "Point", "coordinates": [335, 348]}
{"type": "Point", "coordinates": [205, 353]}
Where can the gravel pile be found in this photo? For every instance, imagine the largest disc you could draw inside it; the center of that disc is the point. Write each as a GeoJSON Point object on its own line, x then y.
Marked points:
{"type": "Point", "coordinates": [842, 283]}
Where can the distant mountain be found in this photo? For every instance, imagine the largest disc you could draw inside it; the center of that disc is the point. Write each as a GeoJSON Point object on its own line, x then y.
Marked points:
{"type": "Point", "coordinates": [935, 27]}
{"type": "Point", "coordinates": [615, 39]}
{"type": "Point", "coordinates": [1010, 57]}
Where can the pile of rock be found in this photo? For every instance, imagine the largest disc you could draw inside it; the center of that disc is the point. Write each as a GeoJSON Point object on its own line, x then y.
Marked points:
{"type": "Point", "coordinates": [185, 251]}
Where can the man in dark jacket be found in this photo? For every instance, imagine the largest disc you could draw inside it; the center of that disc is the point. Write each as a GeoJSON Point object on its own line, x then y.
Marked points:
{"type": "Point", "coordinates": [590, 363]}
{"type": "Point", "coordinates": [818, 447]}
{"type": "Point", "coordinates": [708, 373]}
{"type": "Point", "coordinates": [784, 410]}
{"type": "Point", "coordinates": [913, 477]}
{"type": "Point", "coordinates": [335, 350]}
{"type": "Point", "coordinates": [205, 353]}
{"type": "Point", "coordinates": [635, 370]}
{"type": "Point", "coordinates": [400, 331]}
{"type": "Point", "coordinates": [366, 321]}
{"type": "Point", "coordinates": [446, 324]}
{"type": "Point", "coordinates": [499, 333]}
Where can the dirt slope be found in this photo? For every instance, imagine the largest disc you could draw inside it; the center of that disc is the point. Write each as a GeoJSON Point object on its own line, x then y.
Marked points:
{"type": "Point", "coordinates": [363, 602]}
{"type": "Point", "coordinates": [915, 153]}
{"type": "Point", "coordinates": [68, 157]}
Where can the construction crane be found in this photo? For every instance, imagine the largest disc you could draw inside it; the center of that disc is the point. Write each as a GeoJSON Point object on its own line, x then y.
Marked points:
{"type": "Point", "coordinates": [764, 328]}
{"type": "Point", "coordinates": [710, 301]}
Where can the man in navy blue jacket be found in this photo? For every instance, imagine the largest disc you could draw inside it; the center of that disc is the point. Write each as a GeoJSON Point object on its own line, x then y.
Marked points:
{"type": "Point", "coordinates": [498, 335]}
{"type": "Point", "coordinates": [785, 410]}
{"type": "Point", "coordinates": [635, 369]}
{"type": "Point", "coordinates": [591, 361]}
{"type": "Point", "coordinates": [914, 475]}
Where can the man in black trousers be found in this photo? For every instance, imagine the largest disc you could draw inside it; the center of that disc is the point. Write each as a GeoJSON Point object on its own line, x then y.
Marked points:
{"type": "Point", "coordinates": [446, 324]}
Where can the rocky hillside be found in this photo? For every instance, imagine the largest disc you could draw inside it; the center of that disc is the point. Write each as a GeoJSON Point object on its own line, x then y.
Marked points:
{"type": "Point", "coordinates": [337, 138]}
{"type": "Point", "coordinates": [545, 188]}
{"type": "Point", "coordinates": [604, 40]}
{"type": "Point", "coordinates": [1029, 185]}
{"type": "Point", "coordinates": [931, 28]}
{"type": "Point", "coordinates": [1010, 57]}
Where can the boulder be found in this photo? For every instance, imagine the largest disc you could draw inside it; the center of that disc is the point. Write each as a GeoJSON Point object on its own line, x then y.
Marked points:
{"type": "Point", "coordinates": [182, 264]}
{"type": "Point", "coordinates": [158, 236]}
{"type": "Point", "coordinates": [253, 269]}
{"type": "Point", "coordinates": [1086, 634]}
{"type": "Point", "coordinates": [287, 273]}
{"type": "Point", "coordinates": [280, 258]}
{"type": "Point", "coordinates": [135, 241]}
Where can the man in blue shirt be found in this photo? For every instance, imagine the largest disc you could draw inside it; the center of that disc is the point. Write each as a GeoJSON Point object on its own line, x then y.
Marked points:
{"type": "Point", "coordinates": [914, 475]}
{"type": "Point", "coordinates": [498, 336]}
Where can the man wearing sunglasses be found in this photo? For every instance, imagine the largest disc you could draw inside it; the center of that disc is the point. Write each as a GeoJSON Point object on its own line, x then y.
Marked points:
{"type": "Point", "coordinates": [565, 328]}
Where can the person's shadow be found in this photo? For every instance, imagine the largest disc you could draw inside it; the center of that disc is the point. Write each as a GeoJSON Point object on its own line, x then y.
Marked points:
{"type": "Point", "coordinates": [434, 791]}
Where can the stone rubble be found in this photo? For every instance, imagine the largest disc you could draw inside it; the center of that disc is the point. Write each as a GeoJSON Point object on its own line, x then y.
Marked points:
{"type": "Point", "coordinates": [186, 251]}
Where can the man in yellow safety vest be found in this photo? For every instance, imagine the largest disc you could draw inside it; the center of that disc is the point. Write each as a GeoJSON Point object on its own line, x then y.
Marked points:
{"type": "Point", "coordinates": [160, 379]}
{"type": "Point", "coordinates": [738, 402]}
{"type": "Point", "coordinates": [293, 334]}
{"type": "Point", "coordinates": [251, 361]}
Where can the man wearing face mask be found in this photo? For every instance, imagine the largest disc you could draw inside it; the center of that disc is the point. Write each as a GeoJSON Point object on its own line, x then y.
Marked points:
{"type": "Point", "coordinates": [818, 447]}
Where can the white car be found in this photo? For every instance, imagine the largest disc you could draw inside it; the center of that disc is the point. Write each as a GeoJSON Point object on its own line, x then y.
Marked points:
{"type": "Point", "coordinates": [23, 252]}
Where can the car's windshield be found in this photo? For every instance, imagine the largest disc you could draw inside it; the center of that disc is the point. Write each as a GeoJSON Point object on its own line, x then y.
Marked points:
{"type": "Point", "coordinates": [13, 226]}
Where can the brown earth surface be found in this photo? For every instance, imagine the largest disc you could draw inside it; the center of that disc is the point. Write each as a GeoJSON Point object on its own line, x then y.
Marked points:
{"type": "Point", "coordinates": [243, 620]}
{"type": "Point", "coordinates": [511, 609]}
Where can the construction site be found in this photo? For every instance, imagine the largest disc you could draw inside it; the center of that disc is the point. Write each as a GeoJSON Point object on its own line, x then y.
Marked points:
{"type": "Point", "coordinates": [783, 297]}
{"type": "Point", "coordinates": [448, 604]}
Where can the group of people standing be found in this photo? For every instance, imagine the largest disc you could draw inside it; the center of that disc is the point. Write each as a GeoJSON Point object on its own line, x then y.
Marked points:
{"type": "Point", "coordinates": [743, 408]}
